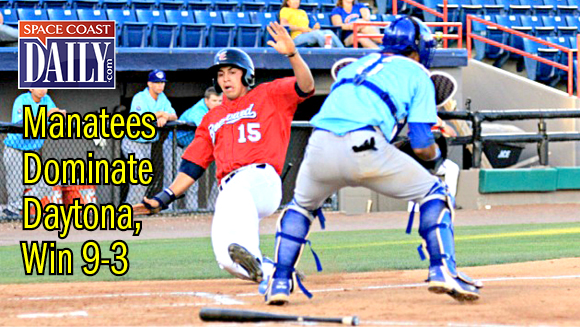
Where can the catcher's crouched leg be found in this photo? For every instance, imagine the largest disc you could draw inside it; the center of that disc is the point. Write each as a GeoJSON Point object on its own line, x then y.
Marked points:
{"type": "Point", "coordinates": [291, 234]}
{"type": "Point", "coordinates": [436, 229]}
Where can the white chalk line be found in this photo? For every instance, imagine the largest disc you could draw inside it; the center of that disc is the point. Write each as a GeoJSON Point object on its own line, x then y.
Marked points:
{"type": "Point", "coordinates": [228, 300]}
{"type": "Point", "coordinates": [53, 315]}
{"type": "Point", "coordinates": [218, 298]}
{"type": "Point", "coordinates": [415, 285]}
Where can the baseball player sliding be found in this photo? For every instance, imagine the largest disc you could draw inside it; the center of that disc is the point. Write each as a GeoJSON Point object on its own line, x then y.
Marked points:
{"type": "Point", "coordinates": [247, 136]}
{"type": "Point", "coordinates": [369, 103]}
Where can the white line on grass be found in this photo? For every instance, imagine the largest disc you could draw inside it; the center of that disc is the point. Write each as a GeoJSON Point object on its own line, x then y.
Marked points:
{"type": "Point", "coordinates": [53, 315]}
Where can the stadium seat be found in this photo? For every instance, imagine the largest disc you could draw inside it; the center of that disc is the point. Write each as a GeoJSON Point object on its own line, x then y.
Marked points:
{"type": "Point", "coordinates": [135, 35]}
{"type": "Point", "coordinates": [263, 18]}
{"type": "Point", "coordinates": [326, 24]}
{"type": "Point", "coordinates": [26, 3]}
{"type": "Point", "coordinates": [198, 4]}
{"type": "Point", "coordinates": [225, 5]}
{"type": "Point", "coordinates": [85, 4]}
{"type": "Point", "coordinates": [326, 6]}
{"type": "Point", "coordinates": [190, 34]}
{"type": "Point", "coordinates": [251, 5]}
{"type": "Point", "coordinates": [220, 34]}
{"type": "Point", "coordinates": [171, 4]}
{"type": "Point", "coordinates": [481, 29]}
{"type": "Point", "coordinates": [554, 21]}
{"type": "Point", "coordinates": [567, 10]}
{"type": "Point", "coordinates": [6, 4]}
{"type": "Point", "coordinates": [31, 14]}
{"type": "Point", "coordinates": [91, 14]}
{"type": "Point", "coordinates": [246, 33]}
{"type": "Point", "coordinates": [61, 14]}
{"type": "Point", "coordinates": [545, 73]}
{"type": "Point", "coordinates": [55, 4]}
{"type": "Point", "coordinates": [161, 33]}
{"type": "Point", "coordinates": [567, 30]}
{"type": "Point", "coordinates": [143, 4]}
{"type": "Point", "coordinates": [310, 6]}
{"type": "Point", "coordinates": [573, 21]}
{"type": "Point", "coordinates": [273, 5]}
{"type": "Point", "coordinates": [490, 7]}
{"type": "Point", "coordinates": [114, 4]}
{"type": "Point", "coordinates": [10, 16]}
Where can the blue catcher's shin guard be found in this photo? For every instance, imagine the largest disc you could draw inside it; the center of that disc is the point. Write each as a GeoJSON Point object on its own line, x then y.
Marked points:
{"type": "Point", "coordinates": [436, 229]}
{"type": "Point", "coordinates": [292, 232]}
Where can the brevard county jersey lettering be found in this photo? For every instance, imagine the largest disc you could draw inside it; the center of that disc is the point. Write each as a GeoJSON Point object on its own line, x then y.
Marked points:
{"type": "Point", "coordinates": [254, 128]}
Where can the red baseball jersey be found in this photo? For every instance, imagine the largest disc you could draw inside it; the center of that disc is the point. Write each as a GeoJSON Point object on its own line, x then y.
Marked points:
{"type": "Point", "coordinates": [254, 128]}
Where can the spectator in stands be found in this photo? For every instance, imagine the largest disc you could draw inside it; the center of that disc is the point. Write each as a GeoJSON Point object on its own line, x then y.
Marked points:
{"type": "Point", "coordinates": [153, 100]}
{"type": "Point", "coordinates": [194, 115]}
{"type": "Point", "coordinates": [7, 33]}
{"type": "Point", "coordinates": [300, 31]}
{"type": "Point", "coordinates": [348, 12]}
{"type": "Point", "coordinates": [16, 144]}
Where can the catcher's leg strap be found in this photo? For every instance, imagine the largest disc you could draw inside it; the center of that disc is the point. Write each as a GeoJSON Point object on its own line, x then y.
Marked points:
{"type": "Point", "coordinates": [291, 235]}
{"type": "Point", "coordinates": [438, 191]}
{"type": "Point", "coordinates": [436, 228]}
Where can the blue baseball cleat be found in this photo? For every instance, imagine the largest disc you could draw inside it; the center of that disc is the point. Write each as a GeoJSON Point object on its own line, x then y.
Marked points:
{"type": "Point", "coordinates": [459, 288]}
{"type": "Point", "coordinates": [278, 292]}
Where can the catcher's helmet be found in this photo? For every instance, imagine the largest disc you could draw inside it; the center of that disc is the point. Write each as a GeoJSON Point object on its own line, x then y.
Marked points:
{"type": "Point", "coordinates": [408, 34]}
{"type": "Point", "coordinates": [233, 57]}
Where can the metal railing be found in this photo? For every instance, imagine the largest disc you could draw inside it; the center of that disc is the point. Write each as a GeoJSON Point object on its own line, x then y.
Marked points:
{"type": "Point", "coordinates": [570, 52]}
{"type": "Point", "coordinates": [459, 36]}
{"type": "Point", "coordinates": [542, 138]}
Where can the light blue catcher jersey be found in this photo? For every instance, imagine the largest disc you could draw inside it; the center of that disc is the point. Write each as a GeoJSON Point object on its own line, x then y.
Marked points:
{"type": "Point", "coordinates": [349, 106]}
{"type": "Point", "coordinates": [143, 103]}
{"type": "Point", "coordinates": [17, 141]}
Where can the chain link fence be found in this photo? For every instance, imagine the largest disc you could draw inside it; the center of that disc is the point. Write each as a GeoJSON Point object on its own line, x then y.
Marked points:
{"type": "Point", "coordinates": [165, 155]}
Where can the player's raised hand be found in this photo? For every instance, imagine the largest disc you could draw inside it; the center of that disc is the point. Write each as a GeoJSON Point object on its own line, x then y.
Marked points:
{"type": "Point", "coordinates": [283, 43]}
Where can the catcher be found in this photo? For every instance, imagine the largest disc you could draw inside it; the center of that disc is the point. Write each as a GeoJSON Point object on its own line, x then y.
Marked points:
{"type": "Point", "coordinates": [372, 99]}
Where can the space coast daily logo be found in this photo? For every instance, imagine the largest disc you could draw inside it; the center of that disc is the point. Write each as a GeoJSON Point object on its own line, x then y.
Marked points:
{"type": "Point", "coordinates": [66, 54]}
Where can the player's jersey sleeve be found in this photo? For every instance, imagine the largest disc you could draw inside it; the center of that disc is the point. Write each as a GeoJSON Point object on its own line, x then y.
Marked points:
{"type": "Point", "coordinates": [200, 150]}
{"type": "Point", "coordinates": [17, 110]}
{"type": "Point", "coordinates": [167, 106]}
{"type": "Point", "coordinates": [422, 108]}
{"type": "Point", "coordinates": [50, 104]}
{"type": "Point", "coordinates": [284, 93]}
{"type": "Point", "coordinates": [137, 105]}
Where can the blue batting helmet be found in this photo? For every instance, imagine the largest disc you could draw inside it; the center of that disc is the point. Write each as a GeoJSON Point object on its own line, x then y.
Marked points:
{"type": "Point", "coordinates": [408, 34]}
{"type": "Point", "coordinates": [233, 57]}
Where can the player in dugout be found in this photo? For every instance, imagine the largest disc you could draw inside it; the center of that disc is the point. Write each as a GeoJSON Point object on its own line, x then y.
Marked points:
{"type": "Point", "coordinates": [247, 136]}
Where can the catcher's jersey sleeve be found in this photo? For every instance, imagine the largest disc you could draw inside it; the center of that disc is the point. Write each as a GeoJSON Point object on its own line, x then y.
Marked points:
{"type": "Point", "coordinates": [252, 129]}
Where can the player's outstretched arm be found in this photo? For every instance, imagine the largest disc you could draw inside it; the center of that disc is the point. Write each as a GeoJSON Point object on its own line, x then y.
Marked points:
{"type": "Point", "coordinates": [284, 44]}
{"type": "Point", "coordinates": [181, 183]}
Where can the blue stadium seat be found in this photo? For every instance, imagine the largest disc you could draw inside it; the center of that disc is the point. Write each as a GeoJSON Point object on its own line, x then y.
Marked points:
{"type": "Point", "coordinates": [135, 35]}
{"type": "Point", "coordinates": [31, 14]}
{"type": "Point", "coordinates": [143, 4]}
{"type": "Point", "coordinates": [220, 34]}
{"type": "Point", "coordinates": [490, 7]}
{"type": "Point", "coordinates": [114, 4]}
{"type": "Point", "coordinates": [225, 5]}
{"type": "Point", "coordinates": [554, 21]}
{"type": "Point", "coordinates": [539, 7]}
{"type": "Point", "coordinates": [171, 5]}
{"type": "Point", "coordinates": [91, 14]}
{"type": "Point", "coordinates": [10, 16]}
{"type": "Point", "coordinates": [573, 21]}
{"type": "Point", "coordinates": [567, 10]}
{"type": "Point", "coordinates": [567, 31]}
{"type": "Point", "coordinates": [198, 4]}
{"type": "Point", "coordinates": [190, 33]}
{"type": "Point", "coordinates": [273, 5]}
{"type": "Point", "coordinates": [565, 42]}
{"type": "Point", "coordinates": [55, 4]}
{"type": "Point", "coordinates": [5, 3]}
{"type": "Point", "coordinates": [162, 34]}
{"type": "Point", "coordinates": [326, 23]}
{"type": "Point", "coordinates": [480, 29]}
{"type": "Point", "coordinates": [251, 5]}
{"type": "Point", "coordinates": [264, 18]}
{"type": "Point", "coordinates": [26, 3]}
{"type": "Point", "coordinates": [310, 6]}
{"type": "Point", "coordinates": [545, 73]}
{"type": "Point", "coordinates": [61, 14]}
{"type": "Point", "coordinates": [85, 4]}
{"type": "Point", "coordinates": [326, 6]}
{"type": "Point", "coordinates": [247, 34]}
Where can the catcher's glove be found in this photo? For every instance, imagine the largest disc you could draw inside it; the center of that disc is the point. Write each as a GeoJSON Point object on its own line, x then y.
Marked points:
{"type": "Point", "coordinates": [404, 144]}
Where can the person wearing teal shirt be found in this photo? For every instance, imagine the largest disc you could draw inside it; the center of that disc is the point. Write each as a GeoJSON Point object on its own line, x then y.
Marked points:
{"type": "Point", "coordinates": [15, 144]}
{"type": "Point", "coordinates": [153, 100]}
{"type": "Point", "coordinates": [194, 115]}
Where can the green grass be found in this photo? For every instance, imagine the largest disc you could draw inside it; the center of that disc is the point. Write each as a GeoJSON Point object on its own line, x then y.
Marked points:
{"type": "Point", "coordinates": [351, 251]}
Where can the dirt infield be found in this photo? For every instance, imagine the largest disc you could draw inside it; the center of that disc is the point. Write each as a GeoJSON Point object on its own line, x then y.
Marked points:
{"type": "Point", "coordinates": [522, 294]}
